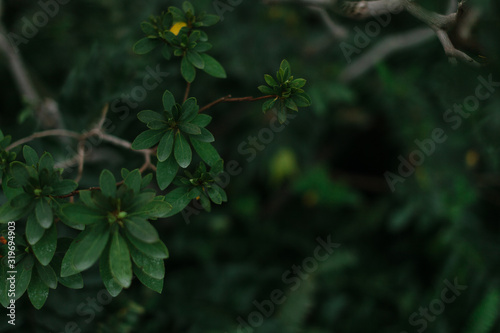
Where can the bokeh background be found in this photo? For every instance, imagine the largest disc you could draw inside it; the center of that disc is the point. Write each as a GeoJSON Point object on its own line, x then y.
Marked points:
{"type": "Point", "coordinates": [321, 176]}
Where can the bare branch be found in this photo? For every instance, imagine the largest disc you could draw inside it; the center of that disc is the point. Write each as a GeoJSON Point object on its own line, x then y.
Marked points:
{"type": "Point", "coordinates": [54, 132]}
{"type": "Point", "coordinates": [228, 98]}
{"type": "Point", "coordinates": [46, 109]}
{"type": "Point", "coordinates": [337, 31]}
{"type": "Point", "coordinates": [365, 9]}
{"type": "Point", "coordinates": [385, 47]}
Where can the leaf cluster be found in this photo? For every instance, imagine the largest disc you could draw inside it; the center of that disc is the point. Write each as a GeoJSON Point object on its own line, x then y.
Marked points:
{"type": "Point", "coordinates": [288, 91]}
{"type": "Point", "coordinates": [178, 32]}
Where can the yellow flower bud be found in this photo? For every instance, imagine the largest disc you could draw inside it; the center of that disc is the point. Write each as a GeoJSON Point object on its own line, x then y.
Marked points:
{"type": "Point", "coordinates": [177, 27]}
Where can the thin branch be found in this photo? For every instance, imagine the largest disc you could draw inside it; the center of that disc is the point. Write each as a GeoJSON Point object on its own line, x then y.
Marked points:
{"type": "Point", "coordinates": [18, 69]}
{"type": "Point", "coordinates": [46, 109]}
{"type": "Point", "coordinates": [388, 45]}
{"type": "Point", "coordinates": [54, 132]}
{"type": "Point", "coordinates": [75, 193]}
{"type": "Point", "coordinates": [81, 159]}
{"type": "Point", "coordinates": [104, 112]}
{"type": "Point", "coordinates": [186, 94]}
{"type": "Point", "coordinates": [439, 23]}
{"type": "Point", "coordinates": [228, 98]}
{"type": "Point", "coordinates": [336, 30]}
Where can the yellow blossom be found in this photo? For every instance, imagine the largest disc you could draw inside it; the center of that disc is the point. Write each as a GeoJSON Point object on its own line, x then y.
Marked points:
{"type": "Point", "coordinates": [177, 27]}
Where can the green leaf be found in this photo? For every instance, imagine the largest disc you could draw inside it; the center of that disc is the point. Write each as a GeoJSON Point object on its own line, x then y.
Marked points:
{"type": "Point", "coordinates": [34, 230]}
{"type": "Point", "coordinates": [156, 208]}
{"type": "Point", "coordinates": [157, 125]}
{"type": "Point", "coordinates": [81, 214]}
{"type": "Point", "coordinates": [156, 250]}
{"type": "Point", "coordinates": [194, 36]}
{"type": "Point", "coordinates": [195, 59]}
{"type": "Point", "coordinates": [485, 315]}
{"type": "Point", "coordinates": [268, 105]}
{"type": "Point", "coordinates": [179, 199]}
{"type": "Point", "coordinates": [270, 80]}
{"type": "Point", "coordinates": [133, 181]}
{"type": "Point", "coordinates": [168, 100]}
{"type": "Point", "coordinates": [177, 14]}
{"type": "Point", "coordinates": [201, 120]}
{"type": "Point", "coordinates": [182, 151]}
{"type": "Point", "coordinates": [147, 139]}
{"type": "Point", "coordinates": [214, 195]}
{"type": "Point", "coordinates": [210, 20]}
{"type": "Point", "coordinates": [44, 213]}
{"type": "Point", "coordinates": [146, 180]}
{"type": "Point", "coordinates": [45, 248]}
{"type": "Point", "coordinates": [289, 103]}
{"type": "Point", "coordinates": [189, 110]}
{"type": "Point", "coordinates": [47, 275]}
{"type": "Point", "coordinates": [187, 70]}
{"type": "Point", "coordinates": [205, 203]}
{"type": "Point", "coordinates": [222, 193]}
{"type": "Point", "coordinates": [147, 116]}
{"type": "Point", "coordinates": [107, 182]}
{"type": "Point", "coordinates": [213, 67]}
{"type": "Point", "coordinates": [8, 213]}
{"type": "Point", "coordinates": [141, 229]}
{"type": "Point", "coordinates": [166, 52]}
{"type": "Point", "coordinates": [298, 83]}
{"type": "Point", "coordinates": [88, 250]}
{"type": "Point", "coordinates": [206, 151]}
{"type": "Point", "coordinates": [108, 279]}
{"type": "Point", "coordinates": [37, 292]}
{"type": "Point", "coordinates": [148, 28]}
{"type": "Point", "coordinates": [155, 268]}
{"type": "Point", "coordinates": [202, 47]}
{"type": "Point", "coordinates": [189, 128]}
{"type": "Point", "coordinates": [119, 260]}
{"type": "Point", "coordinates": [46, 162]}
{"type": "Point", "coordinates": [285, 65]}
{"type": "Point", "coordinates": [63, 187]}
{"type": "Point", "coordinates": [165, 146]}
{"type": "Point", "coordinates": [204, 136]}
{"type": "Point", "coordinates": [23, 276]}
{"type": "Point", "coordinates": [188, 7]}
{"type": "Point", "coordinates": [22, 200]}
{"type": "Point", "coordinates": [282, 115]}
{"type": "Point", "coordinates": [148, 281]}
{"type": "Point", "coordinates": [73, 281]}
{"type": "Point", "coordinates": [20, 173]}
{"type": "Point", "coordinates": [302, 100]}
{"type": "Point", "coordinates": [30, 156]}
{"type": "Point", "coordinates": [265, 90]}
{"type": "Point", "coordinates": [145, 45]}
{"type": "Point", "coordinates": [166, 171]}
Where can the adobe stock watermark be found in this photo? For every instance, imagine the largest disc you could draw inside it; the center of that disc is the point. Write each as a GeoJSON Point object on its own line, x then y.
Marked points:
{"type": "Point", "coordinates": [292, 278]}
{"type": "Point", "coordinates": [372, 29]}
{"type": "Point", "coordinates": [32, 25]}
{"type": "Point", "coordinates": [453, 116]}
{"type": "Point", "coordinates": [420, 320]}
{"type": "Point", "coordinates": [248, 148]}
{"type": "Point", "coordinates": [222, 6]}
{"type": "Point", "coordinates": [89, 309]}
{"type": "Point", "coordinates": [11, 271]}
{"type": "Point", "coordinates": [123, 107]}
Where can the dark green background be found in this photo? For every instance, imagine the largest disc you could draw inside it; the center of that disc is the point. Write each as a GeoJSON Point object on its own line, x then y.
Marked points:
{"type": "Point", "coordinates": [322, 176]}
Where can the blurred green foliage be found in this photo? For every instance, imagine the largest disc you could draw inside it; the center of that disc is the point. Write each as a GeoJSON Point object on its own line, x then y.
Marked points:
{"type": "Point", "coordinates": [396, 248]}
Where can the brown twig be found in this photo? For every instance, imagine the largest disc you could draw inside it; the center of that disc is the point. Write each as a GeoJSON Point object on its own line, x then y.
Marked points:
{"type": "Point", "coordinates": [46, 109]}
{"type": "Point", "coordinates": [82, 137]}
{"type": "Point", "coordinates": [54, 132]}
{"type": "Point", "coordinates": [75, 193]}
{"type": "Point", "coordinates": [186, 94]}
{"type": "Point", "coordinates": [228, 98]}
